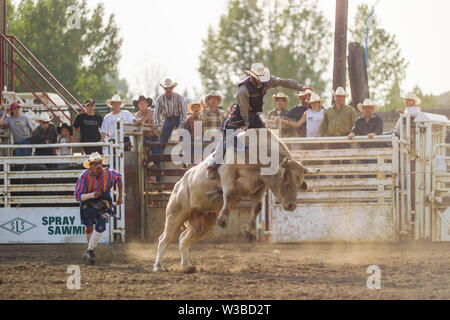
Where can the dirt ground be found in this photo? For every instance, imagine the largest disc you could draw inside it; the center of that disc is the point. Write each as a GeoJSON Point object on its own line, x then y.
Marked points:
{"type": "Point", "coordinates": [229, 271]}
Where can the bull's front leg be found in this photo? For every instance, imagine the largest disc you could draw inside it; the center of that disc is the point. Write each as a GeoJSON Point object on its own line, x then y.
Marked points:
{"type": "Point", "coordinates": [250, 228]}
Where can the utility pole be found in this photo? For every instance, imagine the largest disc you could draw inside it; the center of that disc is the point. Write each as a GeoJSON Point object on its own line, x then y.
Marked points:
{"type": "Point", "coordinates": [340, 45]}
{"type": "Point", "coordinates": [3, 72]}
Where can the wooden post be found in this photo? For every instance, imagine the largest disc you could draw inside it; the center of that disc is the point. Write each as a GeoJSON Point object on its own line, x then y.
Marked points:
{"type": "Point", "coordinates": [359, 83]}
{"type": "Point", "coordinates": [340, 45]}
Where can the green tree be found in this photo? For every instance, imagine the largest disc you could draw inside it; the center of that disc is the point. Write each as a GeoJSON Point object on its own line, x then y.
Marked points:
{"type": "Point", "coordinates": [290, 37]}
{"type": "Point", "coordinates": [428, 100]}
{"type": "Point", "coordinates": [386, 67]}
{"type": "Point", "coordinates": [83, 59]}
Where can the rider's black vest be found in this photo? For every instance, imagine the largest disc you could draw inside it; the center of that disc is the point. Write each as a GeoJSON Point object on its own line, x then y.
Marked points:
{"type": "Point", "coordinates": [256, 95]}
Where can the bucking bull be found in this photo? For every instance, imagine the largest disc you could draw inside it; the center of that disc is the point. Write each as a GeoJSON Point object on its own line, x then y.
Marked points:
{"type": "Point", "coordinates": [198, 203]}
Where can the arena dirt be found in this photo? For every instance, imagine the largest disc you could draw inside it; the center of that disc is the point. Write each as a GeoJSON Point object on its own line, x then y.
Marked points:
{"type": "Point", "coordinates": [229, 271]}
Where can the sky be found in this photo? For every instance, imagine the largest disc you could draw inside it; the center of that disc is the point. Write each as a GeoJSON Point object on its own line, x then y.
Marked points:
{"type": "Point", "coordinates": [164, 39]}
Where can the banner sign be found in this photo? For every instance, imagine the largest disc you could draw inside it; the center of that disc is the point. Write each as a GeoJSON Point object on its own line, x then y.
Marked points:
{"type": "Point", "coordinates": [43, 225]}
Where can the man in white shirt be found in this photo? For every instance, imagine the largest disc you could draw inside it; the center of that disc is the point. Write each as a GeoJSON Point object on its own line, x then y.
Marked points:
{"type": "Point", "coordinates": [109, 122]}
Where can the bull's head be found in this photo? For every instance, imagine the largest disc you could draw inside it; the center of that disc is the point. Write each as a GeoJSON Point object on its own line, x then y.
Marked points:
{"type": "Point", "coordinates": [288, 181]}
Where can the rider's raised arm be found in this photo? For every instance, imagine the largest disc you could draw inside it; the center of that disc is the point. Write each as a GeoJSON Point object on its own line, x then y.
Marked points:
{"type": "Point", "coordinates": [285, 83]}
{"type": "Point", "coordinates": [242, 99]}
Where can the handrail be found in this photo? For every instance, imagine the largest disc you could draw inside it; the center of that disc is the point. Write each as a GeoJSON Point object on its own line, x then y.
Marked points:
{"type": "Point", "coordinates": [47, 72]}
{"type": "Point", "coordinates": [41, 76]}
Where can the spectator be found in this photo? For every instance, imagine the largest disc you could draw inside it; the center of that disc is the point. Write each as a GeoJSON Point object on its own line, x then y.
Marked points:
{"type": "Point", "coordinates": [20, 127]}
{"type": "Point", "coordinates": [339, 119]}
{"type": "Point", "coordinates": [281, 101]}
{"type": "Point", "coordinates": [145, 117]}
{"type": "Point", "coordinates": [172, 107]}
{"type": "Point", "coordinates": [195, 109]}
{"type": "Point", "coordinates": [109, 125]}
{"type": "Point", "coordinates": [45, 134]}
{"type": "Point", "coordinates": [88, 125]}
{"type": "Point", "coordinates": [212, 117]}
{"type": "Point", "coordinates": [66, 136]}
{"type": "Point", "coordinates": [313, 117]}
{"type": "Point", "coordinates": [412, 107]}
{"type": "Point", "coordinates": [368, 124]}
{"type": "Point", "coordinates": [297, 113]}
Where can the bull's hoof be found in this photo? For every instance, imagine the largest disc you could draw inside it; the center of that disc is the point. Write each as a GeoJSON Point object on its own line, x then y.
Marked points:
{"type": "Point", "coordinates": [222, 222]}
{"type": "Point", "coordinates": [159, 268]}
{"type": "Point", "coordinates": [189, 269]}
{"type": "Point", "coordinates": [250, 236]}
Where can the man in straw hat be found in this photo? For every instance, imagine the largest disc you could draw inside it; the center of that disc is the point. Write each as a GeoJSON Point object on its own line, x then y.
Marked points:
{"type": "Point", "coordinates": [93, 192]}
{"type": "Point", "coordinates": [412, 107]}
{"type": "Point", "coordinates": [369, 124]}
{"type": "Point", "coordinates": [44, 134]}
{"type": "Point", "coordinates": [110, 121]}
{"type": "Point", "coordinates": [339, 119]}
{"type": "Point", "coordinates": [172, 107]}
{"type": "Point", "coordinates": [212, 116]}
{"type": "Point", "coordinates": [249, 104]}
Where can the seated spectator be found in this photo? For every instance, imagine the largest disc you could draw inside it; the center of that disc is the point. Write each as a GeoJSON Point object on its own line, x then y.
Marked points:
{"type": "Point", "coordinates": [45, 134]}
{"type": "Point", "coordinates": [65, 136]}
{"type": "Point", "coordinates": [195, 109]}
{"type": "Point", "coordinates": [89, 124]}
{"type": "Point", "coordinates": [109, 124]}
{"type": "Point", "coordinates": [297, 112]}
{"type": "Point", "coordinates": [412, 107]}
{"type": "Point", "coordinates": [20, 127]}
{"type": "Point", "coordinates": [338, 120]}
{"type": "Point", "coordinates": [213, 116]}
{"type": "Point", "coordinates": [369, 124]}
{"type": "Point", "coordinates": [146, 117]}
{"type": "Point", "coordinates": [313, 117]}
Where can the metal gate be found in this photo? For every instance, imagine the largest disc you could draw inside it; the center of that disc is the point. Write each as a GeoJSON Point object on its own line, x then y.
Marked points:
{"type": "Point", "coordinates": [37, 202]}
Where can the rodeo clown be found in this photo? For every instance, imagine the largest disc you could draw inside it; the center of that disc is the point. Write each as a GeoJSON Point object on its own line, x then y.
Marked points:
{"type": "Point", "coordinates": [249, 104]}
{"type": "Point", "coordinates": [93, 192]}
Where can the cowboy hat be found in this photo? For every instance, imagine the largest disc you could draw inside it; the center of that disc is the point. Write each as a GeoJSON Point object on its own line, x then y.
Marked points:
{"type": "Point", "coordinates": [367, 103]}
{"type": "Point", "coordinates": [168, 83]}
{"type": "Point", "coordinates": [143, 98]}
{"type": "Point", "coordinates": [259, 72]}
{"type": "Point", "coordinates": [280, 95]}
{"type": "Point", "coordinates": [189, 108]}
{"type": "Point", "coordinates": [340, 92]}
{"type": "Point", "coordinates": [65, 126]}
{"type": "Point", "coordinates": [44, 117]}
{"type": "Point", "coordinates": [412, 96]}
{"type": "Point", "coordinates": [93, 158]}
{"type": "Point", "coordinates": [213, 94]}
{"type": "Point", "coordinates": [304, 93]}
{"type": "Point", "coordinates": [115, 98]}
{"type": "Point", "coordinates": [315, 98]}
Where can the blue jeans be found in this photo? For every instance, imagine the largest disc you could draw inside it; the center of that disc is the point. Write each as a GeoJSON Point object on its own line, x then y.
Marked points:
{"type": "Point", "coordinates": [23, 152]}
{"type": "Point", "coordinates": [166, 131]}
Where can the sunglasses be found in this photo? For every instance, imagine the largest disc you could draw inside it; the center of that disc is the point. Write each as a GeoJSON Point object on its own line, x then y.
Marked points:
{"type": "Point", "coordinates": [45, 122]}
{"type": "Point", "coordinates": [96, 164]}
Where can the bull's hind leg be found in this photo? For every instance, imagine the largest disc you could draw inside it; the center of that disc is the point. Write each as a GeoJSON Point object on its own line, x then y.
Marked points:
{"type": "Point", "coordinates": [196, 231]}
{"type": "Point", "coordinates": [173, 224]}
